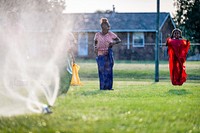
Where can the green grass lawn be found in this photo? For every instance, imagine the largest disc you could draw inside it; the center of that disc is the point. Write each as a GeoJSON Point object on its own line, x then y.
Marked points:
{"type": "Point", "coordinates": [137, 105]}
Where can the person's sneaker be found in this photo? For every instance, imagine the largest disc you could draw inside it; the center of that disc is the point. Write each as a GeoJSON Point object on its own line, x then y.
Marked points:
{"type": "Point", "coordinates": [111, 89]}
{"type": "Point", "coordinates": [46, 110]}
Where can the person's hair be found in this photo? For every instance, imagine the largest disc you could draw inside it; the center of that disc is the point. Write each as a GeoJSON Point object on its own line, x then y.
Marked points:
{"type": "Point", "coordinates": [104, 21]}
{"type": "Point", "coordinates": [176, 29]}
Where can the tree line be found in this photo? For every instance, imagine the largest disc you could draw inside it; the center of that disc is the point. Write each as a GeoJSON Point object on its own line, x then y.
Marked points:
{"type": "Point", "coordinates": [187, 18]}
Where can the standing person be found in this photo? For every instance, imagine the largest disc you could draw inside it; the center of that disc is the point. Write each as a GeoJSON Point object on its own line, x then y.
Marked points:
{"type": "Point", "coordinates": [177, 51]}
{"type": "Point", "coordinates": [75, 80]}
{"type": "Point", "coordinates": [104, 41]}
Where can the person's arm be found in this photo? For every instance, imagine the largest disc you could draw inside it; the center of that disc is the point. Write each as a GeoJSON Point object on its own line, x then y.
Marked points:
{"type": "Point", "coordinates": [73, 58]}
{"type": "Point", "coordinates": [72, 50]}
{"type": "Point", "coordinates": [115, 41]}
{"type": "Point", "coordinates": [166, 46]}
{"type": "Point", "coordinates": [166, 43]}
{"type": "Point", "coordinates": [95, 47]}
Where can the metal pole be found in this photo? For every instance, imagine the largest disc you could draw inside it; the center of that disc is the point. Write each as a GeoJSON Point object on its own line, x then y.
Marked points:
{"type": "Point", "coordinates": [157, 44]}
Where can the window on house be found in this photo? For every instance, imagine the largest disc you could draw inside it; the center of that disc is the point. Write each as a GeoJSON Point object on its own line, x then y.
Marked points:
{"type": "Point", "coordinates": [82, 44]}
{"type": "Point", "coordinates": [138, 39]}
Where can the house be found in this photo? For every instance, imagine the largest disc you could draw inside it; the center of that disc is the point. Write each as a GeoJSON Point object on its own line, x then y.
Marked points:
{"type": "Point", "coordinates": [136, 30]}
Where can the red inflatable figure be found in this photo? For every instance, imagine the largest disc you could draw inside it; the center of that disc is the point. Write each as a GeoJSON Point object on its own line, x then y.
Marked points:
{"type": "Point", "coordinates": [177, 51]}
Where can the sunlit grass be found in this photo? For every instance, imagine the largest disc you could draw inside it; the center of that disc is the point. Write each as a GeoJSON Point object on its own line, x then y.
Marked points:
{"type": "Point", "coordinates": [137, 104]}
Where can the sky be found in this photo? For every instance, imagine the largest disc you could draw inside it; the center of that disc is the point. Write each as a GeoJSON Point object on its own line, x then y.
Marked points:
{"type": "Point", "coordinates": [90, 6]}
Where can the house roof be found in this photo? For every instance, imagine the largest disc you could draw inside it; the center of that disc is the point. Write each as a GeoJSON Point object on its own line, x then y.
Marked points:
{"type": "Point", "coordinates": [120, 22]}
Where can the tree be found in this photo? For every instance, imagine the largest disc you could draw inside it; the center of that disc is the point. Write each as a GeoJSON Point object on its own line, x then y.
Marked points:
{"type": "Point", "coordinates": [14, 8]}
{"type": "Point", "coordinates": [32, 5]}
{"type": "Point", "coordinates": [102, 11]}
{"type": "Point", "coordinates": [31, 14]}
{"type": "Point", "coordinates": [187, 19]}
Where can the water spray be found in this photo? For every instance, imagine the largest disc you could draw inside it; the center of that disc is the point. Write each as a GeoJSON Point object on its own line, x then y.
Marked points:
{"type": "Point", "coordinates": [33, 52]}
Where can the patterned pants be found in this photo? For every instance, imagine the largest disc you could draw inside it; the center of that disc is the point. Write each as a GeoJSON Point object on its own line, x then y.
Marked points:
{"type": "Point", "coordinates": [105, 69]}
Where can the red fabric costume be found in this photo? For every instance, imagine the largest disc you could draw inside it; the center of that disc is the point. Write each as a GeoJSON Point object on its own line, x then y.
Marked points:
{"type": "Point", "coordinates": [177, 51]}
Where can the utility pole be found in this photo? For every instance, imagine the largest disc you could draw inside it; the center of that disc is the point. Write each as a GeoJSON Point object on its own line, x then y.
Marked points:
{"type": "Point", "coordinates": [157, 43]}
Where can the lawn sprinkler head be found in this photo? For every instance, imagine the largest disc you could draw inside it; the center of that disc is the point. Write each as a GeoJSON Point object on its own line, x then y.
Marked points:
{"type": "Point", "coordinates": [46, 109]}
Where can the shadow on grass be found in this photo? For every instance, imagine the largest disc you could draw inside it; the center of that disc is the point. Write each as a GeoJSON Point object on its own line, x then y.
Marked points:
{"type": "Point", "coordinates": [179, 92]}
{"type": "Point", "coordinates": [91, 93]}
